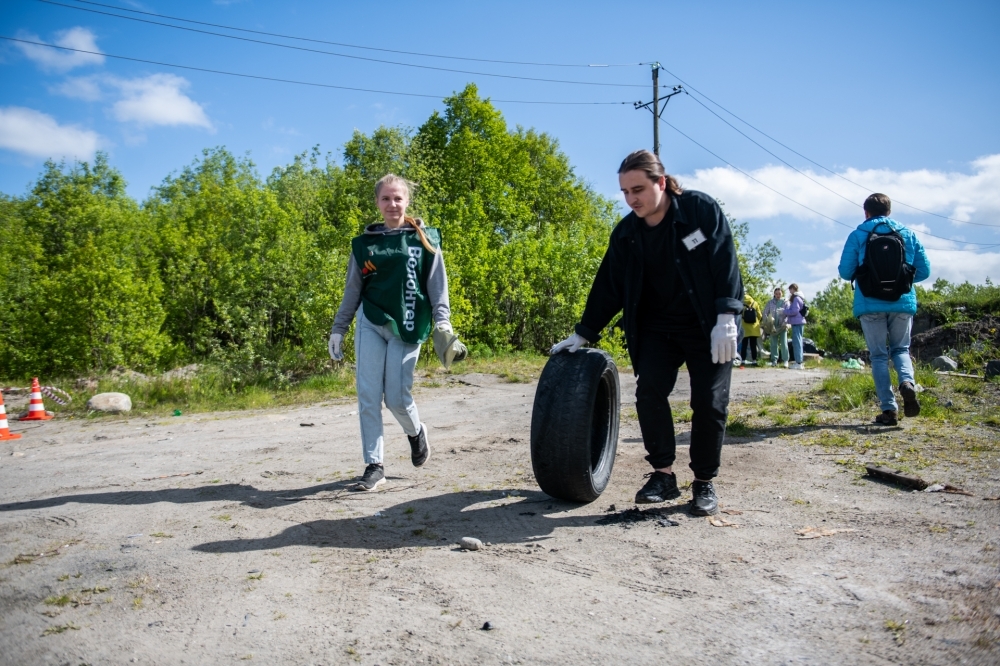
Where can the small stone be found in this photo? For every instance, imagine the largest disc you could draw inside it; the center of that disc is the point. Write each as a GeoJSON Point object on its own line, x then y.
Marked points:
{"type": "Point", "coordinates": [666, 522]}
{"type": "Point", "coordinates": [944, 363]}
{"type": "Point", "coordinates": [110, 402]}
{"type": "Point", "coordinates": [487, 626]}
{"type": "Point", "coordinates": [611, 509]}
{"type": "Point", "coordinates": [470, 543]}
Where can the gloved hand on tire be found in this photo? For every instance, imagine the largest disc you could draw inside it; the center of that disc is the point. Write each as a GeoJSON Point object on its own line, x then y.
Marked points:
{"type": "Point", "coordinates": [570, 344]}
{"type": "Point", "coordinates": [724, 339]}
{"type": "Point", "coordinates": [334, 346]}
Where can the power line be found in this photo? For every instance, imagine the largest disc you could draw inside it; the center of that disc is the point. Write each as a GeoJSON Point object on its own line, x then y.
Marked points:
{"type": "Point", "coordinates": [353, 46]}
{"type": "Point", "coordinates": [812, 210]}
{"type": "Point", "coordinates": [342, 55]}
{"type": "Point", "coordinates": [812, 161]}
{"type": "Point", "coordinates": [278, 80]}
{"type": "Point", "coordinates": [775, 156]}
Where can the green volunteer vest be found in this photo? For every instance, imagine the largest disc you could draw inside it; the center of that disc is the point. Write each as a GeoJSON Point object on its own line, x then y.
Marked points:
{"type": "Point", "coordinates": [394, 269]}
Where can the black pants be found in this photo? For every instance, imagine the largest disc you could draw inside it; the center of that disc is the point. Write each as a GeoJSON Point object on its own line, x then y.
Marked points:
{"type": "Point", "coordinates": [752, 343]}
{"type": "Point", "coordinates": [660, 356]}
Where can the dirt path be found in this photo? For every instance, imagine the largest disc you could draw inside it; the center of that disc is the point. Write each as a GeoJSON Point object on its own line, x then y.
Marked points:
{"type": "Point", "coordinates": [259, 555]}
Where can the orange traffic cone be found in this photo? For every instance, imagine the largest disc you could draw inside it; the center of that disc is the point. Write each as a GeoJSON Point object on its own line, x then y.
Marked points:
{"type": "Point", "coordinates": [36, 408]}
{"type": "Point", "coordinates": [5, 432]}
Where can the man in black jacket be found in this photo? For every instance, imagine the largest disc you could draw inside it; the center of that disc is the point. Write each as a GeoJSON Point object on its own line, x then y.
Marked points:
{"type": "Point", "coordinates": [671, 267]}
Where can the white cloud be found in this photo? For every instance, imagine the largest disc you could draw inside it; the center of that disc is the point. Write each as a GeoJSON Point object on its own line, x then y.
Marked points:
{"type": "Point", "coordinates": [971, 196]}
{"type": "Point", "coordinates": [158, 100]}
{"type": "Point", "coordinates": [36, 134]}
{"type": "Point", "coordinates": [63, 61]}
{"type": "Point", "coordinates": [87, 88]}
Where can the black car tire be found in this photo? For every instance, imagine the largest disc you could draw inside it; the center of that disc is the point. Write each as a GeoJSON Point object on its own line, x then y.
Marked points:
{"type": "Point", "coordinates": [574, 425]}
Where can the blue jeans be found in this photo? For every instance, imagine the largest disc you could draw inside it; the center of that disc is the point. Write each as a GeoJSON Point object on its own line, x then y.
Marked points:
{"type": "Point", "coordinates": [779, 346]}
{"type": "Point", "coordinates": [887, 334]}
{"type": "Point", "coordinates": [797, 342]}
{"type": "Point", "coordinates": [384, 369]}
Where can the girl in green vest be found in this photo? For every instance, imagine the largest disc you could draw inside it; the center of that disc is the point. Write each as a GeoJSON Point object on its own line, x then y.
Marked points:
{"type": "Point", "coordinates": [397, 286]}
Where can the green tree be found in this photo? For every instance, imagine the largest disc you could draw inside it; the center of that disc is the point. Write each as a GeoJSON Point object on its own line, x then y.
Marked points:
{"type": "Point", "coordinates": [89, 291]}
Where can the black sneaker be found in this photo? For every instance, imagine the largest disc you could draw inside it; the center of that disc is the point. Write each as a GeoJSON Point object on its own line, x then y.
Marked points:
{"type": "Point", "coordinates": [419, 450]}
{"type": "Point", "coordinates": [704, 501]}
{"type": "Point", "coordinates": [373, 477]}
{"type": "Point", "coordinates": [887, 418]}
{"type": "Point", "coordinates": [911, 406]}
{"type": "Point", "coordinates": [660, 488]}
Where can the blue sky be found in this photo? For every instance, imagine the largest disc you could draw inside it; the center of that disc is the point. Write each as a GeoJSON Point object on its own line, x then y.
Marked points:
{"type": "Point", "coordinates": [900, 97]}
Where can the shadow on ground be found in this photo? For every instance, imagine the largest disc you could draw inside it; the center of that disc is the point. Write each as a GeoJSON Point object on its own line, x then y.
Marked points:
{"type": "Point", "coordinates": [427, 521]}
{"type": "Point", "coordinates": [230, 492]}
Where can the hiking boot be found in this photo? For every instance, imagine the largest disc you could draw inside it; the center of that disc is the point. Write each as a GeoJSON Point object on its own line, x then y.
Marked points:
{"type": "Point", "coordinates": [373, 477]}
{"type": "Point", "coordinates": [703, 501]}
{"type": "Point", "coordinates": [887, 418]}
{"type": "Point", "coordinates": [660, 488]}
{"type": "Point", "coordinates": [911, 406]}
{"type": "Point", "coordinates": [419, 450]}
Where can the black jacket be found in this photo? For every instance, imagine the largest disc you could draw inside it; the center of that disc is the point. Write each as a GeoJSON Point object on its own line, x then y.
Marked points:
{"type": "Point", "coordinates": [710, 272]}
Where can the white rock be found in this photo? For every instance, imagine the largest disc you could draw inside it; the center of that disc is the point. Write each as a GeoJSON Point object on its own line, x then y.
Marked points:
{"type": "Point", "coordinates": [470, 543]}
{"type": "Point", "coordinates": [944, 363]}
{"type": "Point", "coordinates": [110, 402]}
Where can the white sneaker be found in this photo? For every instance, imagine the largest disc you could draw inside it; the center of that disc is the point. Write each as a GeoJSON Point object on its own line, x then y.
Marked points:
{"type": "Point", "coordinates": [785, 365]}
{"type": "Point", "coordinates": [797, 366]}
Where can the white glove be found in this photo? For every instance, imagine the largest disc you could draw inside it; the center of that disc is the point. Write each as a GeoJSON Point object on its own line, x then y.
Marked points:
{"type": "Point", "coordinates": [334, 346]}
{"type": "Point", "coordinates": [570, 344]}
{"type": "Point", "coordinates": [724, 339]}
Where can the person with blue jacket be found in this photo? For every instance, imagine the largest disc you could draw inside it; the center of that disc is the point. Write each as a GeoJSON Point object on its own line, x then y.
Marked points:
{"type": "Point", "coordinates": [886, 323]}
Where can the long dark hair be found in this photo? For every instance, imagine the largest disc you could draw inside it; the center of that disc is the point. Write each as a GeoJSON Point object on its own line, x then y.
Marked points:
{"type": "Point", "coordinates": [650, 164]}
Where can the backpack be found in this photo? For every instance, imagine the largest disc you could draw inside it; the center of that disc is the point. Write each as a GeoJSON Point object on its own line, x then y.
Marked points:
{"type": "Point", "coordinates": [884, 273]}
{"type": "Point", "coordinates": [749, 316]}
{"type": "Point", "coordinates": [804, 310]}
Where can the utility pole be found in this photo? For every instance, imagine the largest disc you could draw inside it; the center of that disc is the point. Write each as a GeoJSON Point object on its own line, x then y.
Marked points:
{"type": "Point", "coordinates": [654, 106]}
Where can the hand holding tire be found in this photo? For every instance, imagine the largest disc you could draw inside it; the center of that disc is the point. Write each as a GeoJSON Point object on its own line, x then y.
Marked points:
{"type": "Point", "coordinates": [570, 344]}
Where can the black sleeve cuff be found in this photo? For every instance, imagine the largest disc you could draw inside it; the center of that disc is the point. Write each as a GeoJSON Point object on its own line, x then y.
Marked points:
{"type": "Point", "coordinates": [589, 334]}
{"type": "Point", "coordinates": [724, 305]}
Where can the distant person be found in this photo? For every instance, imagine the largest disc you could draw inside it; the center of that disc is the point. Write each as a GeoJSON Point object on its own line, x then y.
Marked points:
{"type": "Point", "coordinates": [775, 326]}
{"type": "Point", "coordinates": [397, 286]}
{"type": "Point", "coordinates": [795, 318]}
{"type": "Point", "coordinates": [671, 266]}
{"type": "Point", "coordinates": [883, 258]}
{"type": "Point", "coordinates": [751, 330]}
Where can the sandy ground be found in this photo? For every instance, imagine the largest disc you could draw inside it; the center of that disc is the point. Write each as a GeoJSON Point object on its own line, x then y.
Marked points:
{"type": "Point", "coordinates": [258, 555]}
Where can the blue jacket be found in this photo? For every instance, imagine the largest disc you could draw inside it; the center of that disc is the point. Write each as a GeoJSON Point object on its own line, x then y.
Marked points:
{"type": "Point", "coordinates": [854, 254]}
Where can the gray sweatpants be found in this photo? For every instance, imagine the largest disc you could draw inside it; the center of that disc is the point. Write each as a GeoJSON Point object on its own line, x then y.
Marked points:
{"type": "Point", "coordinates": [384, 370]}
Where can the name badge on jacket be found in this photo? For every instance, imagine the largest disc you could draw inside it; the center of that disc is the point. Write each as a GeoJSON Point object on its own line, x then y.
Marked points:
{"type": "Point", "coordinates": [691, 241]}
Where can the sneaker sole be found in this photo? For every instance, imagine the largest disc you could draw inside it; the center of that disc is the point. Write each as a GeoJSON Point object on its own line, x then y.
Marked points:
{"type": "Point", "coordinates": [647, 500]}
{"type": "Point", "coordinates": [911, 406]}
{"type": "Point", "coordinates": [359, 488]}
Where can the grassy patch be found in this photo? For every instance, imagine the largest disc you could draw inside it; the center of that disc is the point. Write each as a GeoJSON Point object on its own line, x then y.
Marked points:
{"type": "Point", "coordinates": [58, 629]}
{"type": "Point", "coordinates": [213, 389]}
{"type": "Point", "coordinates": [738, 427]}
{"type": "Point", "coordinates": [847, 391]}
{"type": "Point", "coordinates": [62, 600]}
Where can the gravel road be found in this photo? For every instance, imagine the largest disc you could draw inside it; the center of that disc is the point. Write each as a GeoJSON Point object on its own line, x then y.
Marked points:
{"type": "Point", "coordinates": [230, 538]}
